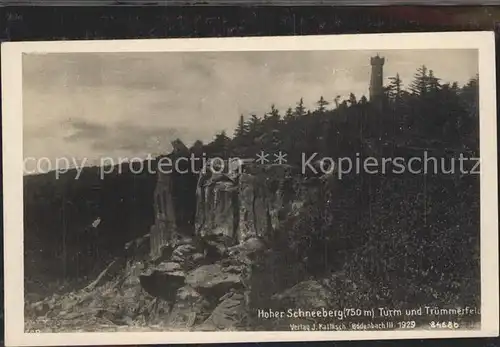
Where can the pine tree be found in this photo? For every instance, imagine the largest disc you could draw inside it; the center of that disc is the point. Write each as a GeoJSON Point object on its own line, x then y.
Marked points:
{"type": "Point", "coordinates": [197, 150]}
{"type": "Point", "coordinates": [220, 145]}
{"type": "Point", "coordinates": [421, 83]}
{"type": "Point", "coordinates": [272, 120]}
{"type": "Point", "coordinates": [470, 95]}
{"type": "Point", "coordinates": [289, 115]}
{"type": "Point", "coordinates": [352, 99]}
{"type": "Point", "coordinates": [322, 103]}
{"type": "Point", "coordinates": [337, 101]}
{"type": "Point", "coordinates": [395, 88]}
{"type": "Point", "coordinates": [197, 146]}
{"type": "Point", "coordinates": [242, 128]}
{"type": "Point", "coordinates": [221, 137]}
{"type": "Point", "coordinates": [433, 82]}
{"type": "Point", "coordinates": [274, 112]}
{"type": "Point", "coordinates": [254, 124]}
{"type": "Point", "coordinates": [300, 109]}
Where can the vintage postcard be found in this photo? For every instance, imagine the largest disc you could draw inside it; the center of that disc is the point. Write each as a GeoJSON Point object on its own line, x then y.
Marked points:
{"type": "Point", "coordinates": [250, 189]}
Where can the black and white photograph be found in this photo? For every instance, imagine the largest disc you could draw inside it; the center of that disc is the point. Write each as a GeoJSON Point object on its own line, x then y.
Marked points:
{"type": "Point", "coordinates": [299, 188]}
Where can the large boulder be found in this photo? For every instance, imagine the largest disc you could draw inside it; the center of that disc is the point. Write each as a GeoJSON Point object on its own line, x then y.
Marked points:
{"type": "Point", "coordinates": [163, 280]}
{"type": "Point", "coordinates": [190, 308]}
{"type": "Point", "coordinates": [187, 254]}
{"type": "Point", "coordinates": [230, 314]}
{"type": "Point", "coordinates": [213, 281]}
{"type": "Point", "coordinates": [248, 247]}
{"type": "Point", "coordinates": [183, 253]}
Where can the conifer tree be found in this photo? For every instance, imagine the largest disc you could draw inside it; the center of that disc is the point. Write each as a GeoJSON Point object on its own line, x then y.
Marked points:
{"type": "Point", "coordinates": [274, 112]}
{"type": "Point", "coordinates": [322, 104]}
{"type": "Point", "coordinates": [272, 120]}
{"type": "Point", "coordinates": [433, 82]}
{"type": "Point", "coordinates": [254, 124]}
{"type": "Point", "coordinates": [421, 82]}
{"type": "Point", "coordinates": [352, 99]}
{"type": "Point", "coordinates": [395, 88]}
{"type": "Point", "coordinates": [337, 101]}
{"type": "Point", "coordinates": [242, 128]}
{"type": "Point", "coordinates": [300, 109]}
{"type": "Point", "coordinates": [197, 147]}
{"type": "Point", "coordinates": [288, 115]}
{"type": "Point", "coordinates": [220, 145]}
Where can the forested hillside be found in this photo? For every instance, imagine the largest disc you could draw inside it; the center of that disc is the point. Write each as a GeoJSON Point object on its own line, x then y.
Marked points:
{"type": "Point", "coordinates": [72, 227]}
{"type": "Point", "coordinates": [424, 114]}
{"type": "Point", "coordinates": [416, 235]}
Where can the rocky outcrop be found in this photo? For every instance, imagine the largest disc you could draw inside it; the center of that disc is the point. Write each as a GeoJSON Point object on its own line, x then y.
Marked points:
{"type": "Point", "coordinates": [216, 212]}
{"type": "Point", "coordinates": [230, 314]}
{"type": "Point", "coordinates": [199, 279]}
{"type": "Point", "coordinates": [177, 294]}
{"type": "Point", "coordinates": [246, 201]}
{"type": "Point", "coordinates": [174, 200]}
{"type": "Point", "coordinates": [165, 220]}
{"type": "Point", "coordinates": [189, 309]}
{"type": "Point", "coordinates": [213, 280]}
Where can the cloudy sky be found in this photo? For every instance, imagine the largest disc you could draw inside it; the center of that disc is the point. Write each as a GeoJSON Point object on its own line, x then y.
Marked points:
{"type": "Point", "coordinates": [95, 105]}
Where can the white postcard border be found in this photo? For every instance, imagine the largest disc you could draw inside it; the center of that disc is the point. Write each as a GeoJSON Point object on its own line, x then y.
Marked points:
{"type": "Point", "coordinates": [13, 178]}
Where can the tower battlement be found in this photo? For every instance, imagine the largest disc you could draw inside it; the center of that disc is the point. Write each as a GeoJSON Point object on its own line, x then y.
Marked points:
{"type": "Point", "coordinates": [377, 60]}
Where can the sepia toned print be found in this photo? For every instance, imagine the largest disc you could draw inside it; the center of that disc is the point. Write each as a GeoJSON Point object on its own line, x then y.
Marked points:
{"type": "Point", "coordinates": [315, 188]}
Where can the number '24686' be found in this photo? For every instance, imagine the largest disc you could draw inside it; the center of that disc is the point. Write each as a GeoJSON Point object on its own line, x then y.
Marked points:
{"type": "Point", "coordinates": [444, 325]}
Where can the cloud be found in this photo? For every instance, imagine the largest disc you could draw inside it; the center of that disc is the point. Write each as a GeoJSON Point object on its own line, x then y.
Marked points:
{"type": "Point", "coordinates": [144, 139]}
{"type": "Point", "coordinates": [85, 130]}
{"type": "Point", "coordinates": [139, 139]}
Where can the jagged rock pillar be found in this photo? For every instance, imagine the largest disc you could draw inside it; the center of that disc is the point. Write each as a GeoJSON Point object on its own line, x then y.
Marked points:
{"type": "Point", "coordinates": [165, 221]}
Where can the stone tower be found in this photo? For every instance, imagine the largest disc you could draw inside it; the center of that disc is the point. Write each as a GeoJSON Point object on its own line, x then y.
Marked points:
{"type": "Point", "coordinates": [377, 78]}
